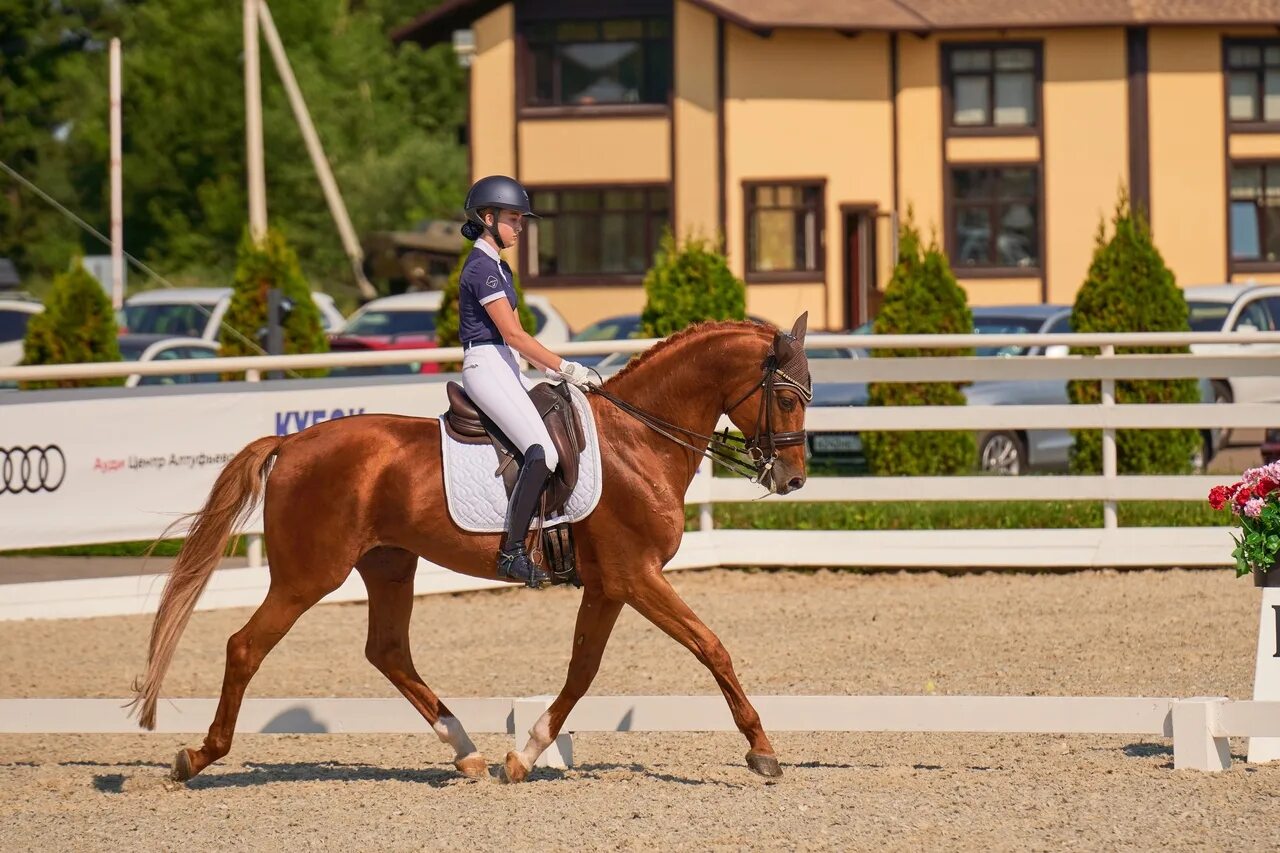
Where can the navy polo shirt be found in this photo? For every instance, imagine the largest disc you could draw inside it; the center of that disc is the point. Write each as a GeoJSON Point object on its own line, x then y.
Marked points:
{"type": "Point", "coordinates": [485, 278]}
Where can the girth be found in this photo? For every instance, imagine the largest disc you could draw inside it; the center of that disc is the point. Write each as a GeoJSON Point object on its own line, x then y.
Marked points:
{"type": "Point", "coordinates": [466, 423]}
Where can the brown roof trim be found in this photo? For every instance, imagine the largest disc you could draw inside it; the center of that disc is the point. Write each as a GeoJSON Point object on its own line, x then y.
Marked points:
{"type": "Point", "coordinates": [439, 23]}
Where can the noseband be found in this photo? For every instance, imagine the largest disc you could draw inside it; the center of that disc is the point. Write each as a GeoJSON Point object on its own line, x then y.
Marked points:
{"type": "Point", "coordinates": [761, 449]}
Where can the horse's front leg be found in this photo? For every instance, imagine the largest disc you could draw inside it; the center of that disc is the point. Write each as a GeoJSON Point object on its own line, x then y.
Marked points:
{"type": "Point", "coordinates": [654, 598]}
{"type": "Point", "coordinates": [596, 617]}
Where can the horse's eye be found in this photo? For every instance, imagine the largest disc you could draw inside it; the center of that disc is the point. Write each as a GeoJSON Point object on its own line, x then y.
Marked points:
{"type": "Point", "coordinates": [787, 404]}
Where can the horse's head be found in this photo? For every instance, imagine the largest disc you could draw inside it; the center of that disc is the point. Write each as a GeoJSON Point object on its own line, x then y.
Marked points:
{"type": "Point", "coordinates": [771, 412]}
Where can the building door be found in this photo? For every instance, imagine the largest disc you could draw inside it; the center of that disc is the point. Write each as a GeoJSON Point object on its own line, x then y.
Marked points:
{"type": "Point", "coordinates": [861, 298]}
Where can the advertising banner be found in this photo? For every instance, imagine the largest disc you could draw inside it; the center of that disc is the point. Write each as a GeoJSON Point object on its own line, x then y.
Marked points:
{"type": "Point", "coordinates": [112, 465]}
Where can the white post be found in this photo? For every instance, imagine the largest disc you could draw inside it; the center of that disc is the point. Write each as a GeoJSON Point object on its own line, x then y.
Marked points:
{"type": "Point", "coordinates": [1110, 519]}
{"type": "Point", "coordinates": [525, 715]}
{"type": "Point", "coordinates": [1197, 743]}
{"type": "Point", "coordinates": [254, 547]}
{"type": "Point", "coordinates": [117, 189]}
{"type": "Point", "coordinates": [1266, 674]}
{"type": "Point", "coordinates": [253, 124]}
{"type": "Point", "coordinates": [337, 208]}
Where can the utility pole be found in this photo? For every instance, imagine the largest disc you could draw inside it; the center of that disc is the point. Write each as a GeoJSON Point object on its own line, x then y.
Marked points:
{"type": "Point", "coordinates": [337, 209]}
{"type": "Point", "coordinates": [117, 189]}
{"type": "Point", "coordinates": [253, 124]}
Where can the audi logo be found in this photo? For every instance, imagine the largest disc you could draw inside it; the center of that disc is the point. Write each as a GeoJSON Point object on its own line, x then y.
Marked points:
{"type": "Point", "coordinates": [31, 469]}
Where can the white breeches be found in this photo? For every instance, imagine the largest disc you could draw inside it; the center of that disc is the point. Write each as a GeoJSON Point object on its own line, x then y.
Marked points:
{"type": "Point", "coordinates": [492, 379]}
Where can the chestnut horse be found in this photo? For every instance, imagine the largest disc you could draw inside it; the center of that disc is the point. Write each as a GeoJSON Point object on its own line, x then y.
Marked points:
{"type": "Point", "coordinates": [367, 491]}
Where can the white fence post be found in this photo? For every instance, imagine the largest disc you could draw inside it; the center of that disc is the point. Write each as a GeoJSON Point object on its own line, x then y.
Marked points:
{"type": "Point", "coordinates": [1197, 741]}
{"type": "Point", "coordinates": [525, 715]}
{"type": "Point", "coordinates": [1110, 518]}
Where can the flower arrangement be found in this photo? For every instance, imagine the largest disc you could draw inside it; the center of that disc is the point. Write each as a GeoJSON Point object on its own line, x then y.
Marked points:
{"type": "Point", "coordinates": [1255, 502]}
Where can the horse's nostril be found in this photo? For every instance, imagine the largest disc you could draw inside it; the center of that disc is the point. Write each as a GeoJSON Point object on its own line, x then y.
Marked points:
{"type": "Point", "coordinates": [795, 483]}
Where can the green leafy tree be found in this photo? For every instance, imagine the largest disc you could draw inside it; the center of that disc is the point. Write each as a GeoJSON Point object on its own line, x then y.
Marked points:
{"type": "Point", "coordinates": [1129, 289]}
{"type": "Point", "coordinates": [688, 284]}
{"type": "Point", "coordinates": [447, 316]}
{"type": "Point", "coordinates": [260, 267]}
{"type": "Point", "coordinates": [390, 118]}
{"type": "Point", "coordinates": [78, 326]}
{"type": "Point", "coordinates": [922, 298]}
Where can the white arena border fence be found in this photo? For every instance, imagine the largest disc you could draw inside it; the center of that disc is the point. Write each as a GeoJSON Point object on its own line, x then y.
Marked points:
{"type": "Point", "coordinates": [1109, 546]}
{"type": "Point", "coordinates": [1199, 726]}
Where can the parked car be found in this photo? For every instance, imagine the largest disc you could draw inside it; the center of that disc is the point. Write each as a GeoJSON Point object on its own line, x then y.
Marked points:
{"type": "Point", "coordinates": [136, 347]}
{"type": "Point", "coordinates": [1237, 308]}
{"type": "Point", "coordinates": [354, 343]}
{"type": "Point", "coordinates": [15, 313]}
{"type": "Point", "coordinates": [1010, 452]}
{"type": "Point", "coordinates": [197, 312]}
{"type": "Point", "coordinates": [414, 313]}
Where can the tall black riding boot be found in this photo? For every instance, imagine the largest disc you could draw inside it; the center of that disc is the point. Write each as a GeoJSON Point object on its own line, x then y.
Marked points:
{"type": "Point", "coordinates": [513, 560]}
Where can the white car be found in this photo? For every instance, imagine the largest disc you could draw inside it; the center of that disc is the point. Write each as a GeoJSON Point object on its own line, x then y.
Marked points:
{"type": "Point", "coordinates": [414, 314]}
{"type": "Point", "coordinates": [163, 348]}
{"type": "Point", "coordinates": [197, 312]}
{"type": "Point", "coordinates": [1237, 308]}
{"type": "Point", "coordinates": [14, 315]}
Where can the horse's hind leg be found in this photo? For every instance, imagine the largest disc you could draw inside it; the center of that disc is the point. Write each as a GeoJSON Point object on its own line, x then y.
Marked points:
{"type": "Point", "coordinates": [245, 652]}
{"type": "Point", "coordinates": [654, 598]}
{"type": "Point", "coordinates": [388, 576]}
{"type": "Point", "coordinates": [596, 618]}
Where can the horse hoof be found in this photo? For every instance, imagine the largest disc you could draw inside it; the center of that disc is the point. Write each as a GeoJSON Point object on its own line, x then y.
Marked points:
{"type": "Point", "coordinates": [514, 770]}
{"type": "Point", "coordinates": [473, 767]}
{"type": "Point", "coordinates": [765, 765]}
{"type": "Point", "coordinates": [182, 769]}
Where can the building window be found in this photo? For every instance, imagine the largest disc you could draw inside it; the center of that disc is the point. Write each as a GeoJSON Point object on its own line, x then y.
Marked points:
{"type": "Point", "coordinates": [1253, 81]}
{"type": "Point", "coordinates": [995, 217]}
{"type": "Point", "coordinates": [594, 62]}
{"type": "Point", "coordinates": [992, 88]}
{"type": "Point", "coordinates": [595, 231]}
{"type": "Point", "coordinates": [1255, 212]}
{"type": "Point", "coordinates": [784, 227]}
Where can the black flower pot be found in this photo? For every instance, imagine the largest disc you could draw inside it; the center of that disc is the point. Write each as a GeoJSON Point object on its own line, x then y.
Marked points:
{"type": "Point", "coordinates": [1270, 577]}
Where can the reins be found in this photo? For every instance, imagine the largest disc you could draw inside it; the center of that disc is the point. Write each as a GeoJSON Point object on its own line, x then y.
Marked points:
{"type": "Point", "coordinates": [723, 448]}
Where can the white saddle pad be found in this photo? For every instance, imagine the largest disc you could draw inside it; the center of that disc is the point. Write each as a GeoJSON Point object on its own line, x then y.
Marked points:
{"type": "Point", "coordinates": [476, 496]}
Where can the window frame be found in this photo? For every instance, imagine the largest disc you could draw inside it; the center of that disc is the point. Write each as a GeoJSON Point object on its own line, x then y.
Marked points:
{"type": "Point", "coordinates": [653, 239]}
{"type": "Point", "coordinates": [1235, 265]}
{"type": "Point", "coordinates": [525, 75]}
{"type": "Point", "coordinates": [949, 221]}
{"type": "Point", "coordinates": [819, 272]}
{"type": "Point", "coordinates": [950, 129]}
{"type": "Point", "coordinates": [1259, 125]}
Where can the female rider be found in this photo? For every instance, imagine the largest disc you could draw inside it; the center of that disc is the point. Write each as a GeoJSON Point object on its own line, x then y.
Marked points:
{"type": "Point", "coordinates": [491, 335]}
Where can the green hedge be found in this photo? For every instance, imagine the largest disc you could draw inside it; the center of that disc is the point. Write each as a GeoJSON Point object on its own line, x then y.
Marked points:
{"type": "Point", "coordinates": [687, 284]}
{"type": "Point", "coordinates": [1129, 289]}
{"type": "Point", "coordinates": [77, 326]}
{"type": "Point", "coordinates": [922, 298]}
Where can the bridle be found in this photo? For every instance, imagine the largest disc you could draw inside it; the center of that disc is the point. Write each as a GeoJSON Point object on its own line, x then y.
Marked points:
{"type": "Point", "coordinates": [760, 450]}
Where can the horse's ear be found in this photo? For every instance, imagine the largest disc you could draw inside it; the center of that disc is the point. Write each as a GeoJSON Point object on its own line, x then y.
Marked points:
{"type": "Point", "coordinates": [800, 327]}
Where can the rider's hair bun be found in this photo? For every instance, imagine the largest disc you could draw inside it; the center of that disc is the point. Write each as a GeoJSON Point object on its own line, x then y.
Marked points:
{"type": "Point", "coordinates": [472, 230]}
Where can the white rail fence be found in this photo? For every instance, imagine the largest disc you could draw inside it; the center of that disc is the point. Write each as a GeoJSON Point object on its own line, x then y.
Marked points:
{"type": "Point", "coordinates": [1199, 727]}
{"type": "Point", "coordinates": [1106, 546]}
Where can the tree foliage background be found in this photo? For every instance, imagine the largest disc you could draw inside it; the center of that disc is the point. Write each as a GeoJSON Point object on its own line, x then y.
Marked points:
{"type": "Point", "coordinates": [390, 118]}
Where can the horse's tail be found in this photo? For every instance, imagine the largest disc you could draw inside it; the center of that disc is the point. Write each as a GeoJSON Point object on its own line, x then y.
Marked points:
{"type": "Point", "coordinates": [234, 496]}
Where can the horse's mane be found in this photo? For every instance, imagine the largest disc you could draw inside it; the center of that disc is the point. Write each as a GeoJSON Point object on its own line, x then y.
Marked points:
{"type": "Point", "coordinates": [695, 330]}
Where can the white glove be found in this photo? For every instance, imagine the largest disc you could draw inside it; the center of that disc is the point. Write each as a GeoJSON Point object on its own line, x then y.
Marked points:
{"type": "Point", "coordinates": [574, 373]}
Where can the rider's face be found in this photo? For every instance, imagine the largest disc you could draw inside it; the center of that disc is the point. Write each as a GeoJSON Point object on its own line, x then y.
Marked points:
{"type": "Point", "coordinates": [510, 224]}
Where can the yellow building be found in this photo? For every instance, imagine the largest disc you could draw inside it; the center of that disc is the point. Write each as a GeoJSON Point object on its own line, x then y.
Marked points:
{"type": "Point", "coordinates": [800, 131]}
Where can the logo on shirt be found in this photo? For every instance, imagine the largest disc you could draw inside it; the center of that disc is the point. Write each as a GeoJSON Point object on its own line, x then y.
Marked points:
{"type": "Point", "coordinates": [492, 281]}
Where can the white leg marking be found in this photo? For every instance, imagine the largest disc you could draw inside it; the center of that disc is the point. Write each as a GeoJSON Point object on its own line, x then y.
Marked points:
{"type": "Point", "coordinates": [539, 740]}
{"type": "Point", "coordinates": [450, 731]}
